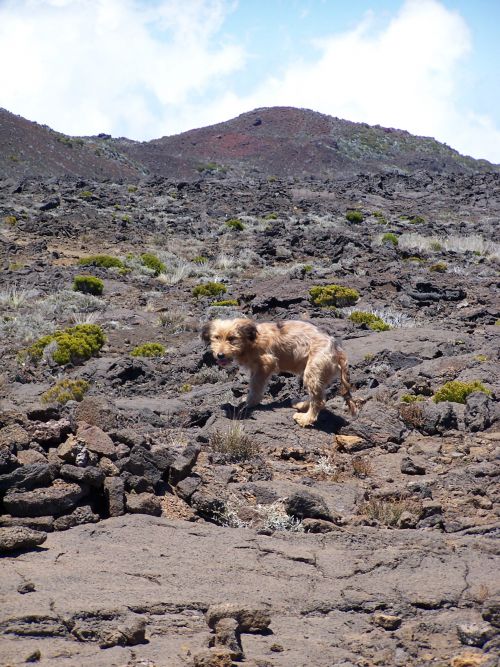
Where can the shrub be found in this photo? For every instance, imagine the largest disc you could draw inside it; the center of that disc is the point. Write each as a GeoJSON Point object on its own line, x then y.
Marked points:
{"type": "Point", "coordinates": [457, 391]}
{"type": "Point", "coordinates": [236, 224]}
{"type": "Point", "coordinates": [209, 289]}
{"type": "Point", "coordinates": [411, 398]}
{"type": "Point", "coordinates": [66, 390]}
{"type": "Point", "coordinates": [333, 295]}
{"type": "Point", "coordinates": [307, 268]}
{"type": "Point", "coordinates": [86, 194]}
{"type": "Point", "coordinates": [225, 303]}
{"type": "Point", "coordinates": [436, 246]}
{"type": "Point", "coordinates": [380, 217]}
{"type": "Point", "coordinates": [390, 238]}
{"type": "Point", "coordinates": [372, 321]}
{"type": "Point", "coordinates": [271, 216]}
{"type": "Point", "coordinates": [388, 512]}
{"type": "Point", "coordinates": [149, 350]}
{"type": "Point", "coordinates": [103, 261]}
{"type": "Point", "coordinates": [152, 262]}
{"type": "Point", "coordinates": [234, 444]}
{"type": "Point", "coordinates": [132, 188]}
{"type": "Point", "coordinates": [88, 285]}
{"type": "Point", "coordinates": [74, 344]}
{"type": "Point", "coordinates": [439, 267]}
{"type": "Point", "coordinates": [200, 259]}
{"type": "Point", "coordinates": [354, 216]}
{"type": "Point", "coordinates": [416, 219]}
{"type": "Point", "coordinates": [10, 220]}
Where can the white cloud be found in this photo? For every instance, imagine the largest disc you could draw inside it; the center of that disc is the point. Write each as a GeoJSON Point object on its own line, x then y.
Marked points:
{"type": "Point", "coordinates": [120, 66]}
{"type": "Point", "coordinates": [406, 76]}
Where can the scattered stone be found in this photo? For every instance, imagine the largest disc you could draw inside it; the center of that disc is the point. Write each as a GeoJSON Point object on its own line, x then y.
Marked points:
{"type": "Point", "coordinates": [27, 477]}
{"type": "Point", "coordinates": [351, 443]}
{"type": "Point", "coordinates": [28, 456]}
{"type": "Point", "coordinates": [108, 467]}
{"type": "Point", "coordinates": [181, 467]}
{"type": "Point", "coordinates": [14, 437]}
{"type": "Point", "coordinates": [130, 633]}
{"type": "Point", "coordinates": [407, 520]}
{"type": "Point", "coordinates": [34, 656]}
{"type": "Point", "coordinates": [96, 440]}
{"type": "Point", "coordinates": [411, 467]}
{"type": "Point", "coordinates": [143, 503]}
{"type": "Point", "coordinates": [26, 587]}
{"type": "Point", "coordinates": [475, 634]}
{"type": "Point", "coordinates": [79, 516]}
{"type": "Point", "coordinates": [73, 450]}
{"type": "Point", "coordinates": [249, 620]}
{"type": "Point", "coordinates": [186, 487]}
{"type": "Point", "coordinates": [45, 523]}
{"type": "Point", "coordinates": [90, 475]}
{"type": "Point", "coordinates": [52, 432]}
{"type": "Point", "coordinates": [491, 611]}
{"type": "Point", "coordinates": [213, 657]}
{"type": "Point", "coordinates": [386, 621]}
{"type": "Point", "coordinates": [18, 537]}
{"type": "Point", "coordinates": [227, 636]}
{"type": "Point", "coordinates": [318, 526]}
{"type": "Point", "coordinates": [7, 460]}
{"type": "Point", "coordinates": [307, 505]}
{"type": "Point", "coordinates": [54, 500]}
{"type": "Point", "coordinates": [478, 411]}
{"type": "Point", "coordinates": [377, 424]}
{"type": "Point", "coordinates": [114, 490]}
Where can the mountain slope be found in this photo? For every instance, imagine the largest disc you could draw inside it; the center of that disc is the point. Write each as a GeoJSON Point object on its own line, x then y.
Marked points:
{"type": "Point", "coordinates": [285, 141]}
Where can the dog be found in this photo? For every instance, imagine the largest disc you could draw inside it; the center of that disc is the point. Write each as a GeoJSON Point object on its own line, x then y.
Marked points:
{"type": "Point", "coordinates": [289, 346]}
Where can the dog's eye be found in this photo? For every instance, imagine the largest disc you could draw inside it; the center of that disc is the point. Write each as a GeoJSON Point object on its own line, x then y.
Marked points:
{"type": "Point", "coordinates": [231, 339]}
{"type": "Point", "coordinates": [216, 337]}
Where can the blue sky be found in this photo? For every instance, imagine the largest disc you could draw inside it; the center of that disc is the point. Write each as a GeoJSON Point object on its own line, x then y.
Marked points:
{"type": "Point", "coordinates": [149, 68]}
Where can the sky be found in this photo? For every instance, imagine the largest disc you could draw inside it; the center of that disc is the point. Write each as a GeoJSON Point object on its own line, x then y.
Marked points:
{"type": "Point", "coordinates": [150, 68]}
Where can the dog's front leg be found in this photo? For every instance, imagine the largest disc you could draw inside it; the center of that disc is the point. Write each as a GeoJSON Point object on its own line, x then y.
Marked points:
{"type": "Point", "coordinates": [259, 377]}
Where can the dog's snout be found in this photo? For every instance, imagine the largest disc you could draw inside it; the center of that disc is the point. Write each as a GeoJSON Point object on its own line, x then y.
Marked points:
{"type": "Point", "coordinates": [221, 355]}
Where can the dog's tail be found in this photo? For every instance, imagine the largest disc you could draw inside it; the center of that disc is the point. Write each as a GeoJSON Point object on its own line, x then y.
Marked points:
{"type": "Point", "coordinates": [345, 384]}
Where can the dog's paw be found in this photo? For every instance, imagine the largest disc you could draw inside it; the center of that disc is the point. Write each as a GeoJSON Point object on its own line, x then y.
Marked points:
{"type": "Point", "coordinates": [301, 406]}
{"type": "Point", "coordinates": [303, 419]}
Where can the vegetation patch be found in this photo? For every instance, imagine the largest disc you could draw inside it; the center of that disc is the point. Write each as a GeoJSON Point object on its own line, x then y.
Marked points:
{"type": "Point", "coordinates": [236, 224]}
{"type": "Point", "coordinates": [389, 511]}
{"type": "Point", "coordinates": [74, 344]}
{"type": "Point", "coordinates": [200, 259]}
{"type": "Point", "coordinates": [234, 444]}
{"type": "Point", "coordinates": [103, 261]}
{"type": "Point", "coordinates": [333, 295]}
{"type": "Point", "coordinates": [149, 350]}
{"type": "Point", "coordinates": [370, 320]}
{"type": "Point", "coordinates": [225, 303]}
{"type": "Point", "coordinates": [209, 289]}
{"type": "Point", "coordinates": [354, 216]}
{"type": "Point", "coordinates": [438, 267]}
{"type": "Point", "coordinates": [152, 262]}
{"type": "Point", "coordinates": [390, 238]}
{"type": "Point", "coordinates": [88, 285]}
{"type": "Point", "coordinates": [66, 390]}
{"type": "Point", "coordinates": [457, 391]}
{"type": "Point", "coordinates": [411, 398]}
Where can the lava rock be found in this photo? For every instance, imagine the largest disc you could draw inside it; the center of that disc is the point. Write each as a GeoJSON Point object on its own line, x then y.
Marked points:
{"type": "Point", "coordinates": [79, 516]}
{"type": "Point", "coordinates": [27, 477]}
{"type": "Point", "coordinates": [306, 505]}
{"type": "Point", "coordinates": [18, 537]}
{"type": "Point", "coordinates": [411, 467]}
{"type": "Point", "coordinates": [248, 619]}
{"type": "Point", "coordinates": [114, 490]}
{"type": "Point", "coordinates": [90, 475]}
{"type": "Point", "coordinates": [52, 500]}
{"type": "Point", "coordinates": [96, 440]}
{"type": "Point", "coordinates": [478, 411]}
{"type": "Point", "coordinates": [143, 503]}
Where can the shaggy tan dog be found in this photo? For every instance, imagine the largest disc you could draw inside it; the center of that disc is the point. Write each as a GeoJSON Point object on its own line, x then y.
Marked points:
{"type": "Point", "coordinates": [291, 346]}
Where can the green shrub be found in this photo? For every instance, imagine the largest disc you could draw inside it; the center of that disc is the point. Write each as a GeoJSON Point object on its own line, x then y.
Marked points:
{"type": "Point", "coordinates": [103, 261]}
{"type": "Point", "coordinates": [86, 194]}
{"type": "Point", "coordinates": [411, 398]}
{"type": "Point", "coordinates": [74, 344]}
{"type": "Point", "coordinates": [333, 295]}
{"type": "Point", "coordinates": [200, 259]}
{"type": "Point", "coordinates": [225, 302]}
{"type": "Point", "coordinates": [132, 188]}
{"type": "Point", "coordinates": [152, 262]}
{"type": "Point", "coordinates": [390, 238]}
{"type": "Point", "coordinates": [209, 289]}
{"type": "Point", "coordinates": [457, 391]}
{"type": "Point", "coordinates": [307, 268]}
{"type": "Point", "coordinates": [436, 246]}
{"type": "Point", "coordinates": [234, 444]}
{"type": "Point", "coordinates": [271, 216]}
{"type": "Point", "coordinates": [372, 321]}
{"type": "Point", "coordinates": [236, 224]}
{"type": "Point", "coordinates": [380, 217]}
{"type": "Point", "coordinates": [126, 218]}
{"type": "Point", "coordinates": [416, 219]}
{"type": "Point", "coordinates": [354, 216]}
{"type": "Point", "coordinates": [66, 390]}
{"type": "Point", "coordinates": [439, 267]}
{"type": "Point", "coordinates": [10, 220]}
{"type": "Point", "coordinates": [88, 285]}
{"type": "Point", "coordinates": [149, 350]}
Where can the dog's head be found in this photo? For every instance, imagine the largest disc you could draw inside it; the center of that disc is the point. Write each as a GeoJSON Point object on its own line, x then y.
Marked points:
{"type": "Point", "coordinates": [229, 340]}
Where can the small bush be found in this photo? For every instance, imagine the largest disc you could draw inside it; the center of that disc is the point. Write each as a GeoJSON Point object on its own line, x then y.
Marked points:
{"type": "Point", "coordinates": [152, 262]}
{"type": "Point", "coordinates": [75, 344]}
{"type": "Point", "coordinates": [380, 217]}
{"type": "Point", "coordinates": [307, 268]}
{"type": "Point", "coordinates": [390, 238]}
{"type": "Point", "coordinates": [103, 261]}
{"type": "Point", "coordinates": [388, 512]}
{"type": "Point", "coordinates": [132, 188]}
{"type": "Point", "coordinates": [200, 259]}
{"type": "Point", "coordinates": [439, 267]}
{"type": "Point", "coordinates": [416, 220]}
{"type": "Point", "coordinates": [209, 289]}
{"type": "Point", "coordinates": [411, 398]}
{"type": "Point", "coordinates": [457, 391]}
{"type": "Point", "coordinates": [234, 444]}
{"type": "Point", "coordinates": [361, 467]}
{"type": "Point", "coordinates": [354, 216]}
{"type": "Point", "coordinates": [66, 390]}
{"type": "Point", "coordinates": [10, 220]}
{"type": "Point", "coordinates": [225, 303]}
{"type": "Point", "coordinates": [436, 246]}
{"type": "Point", "coordinates": [88, 285]}
{"type": "Point", "coordinates": [271, 216]}
{"type": "Point", "coordinates": [86, 194]}
{"type": "Point", "coordinates": [149, 350]}
{"type": "Point", "coordinates": [372, 321]}
{"type": "Point", "coordinates": [236, 224]}
{"type": "Point", "coordinates": [333, 295]}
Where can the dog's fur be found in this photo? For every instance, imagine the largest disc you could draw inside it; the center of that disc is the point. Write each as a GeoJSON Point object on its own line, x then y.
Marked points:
{"type": "Point", "coordinates": [292, 346]}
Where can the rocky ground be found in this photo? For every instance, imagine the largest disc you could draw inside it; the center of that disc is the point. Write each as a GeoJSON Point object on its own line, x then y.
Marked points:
{"type": "Point", "coordinates": [128, 518]}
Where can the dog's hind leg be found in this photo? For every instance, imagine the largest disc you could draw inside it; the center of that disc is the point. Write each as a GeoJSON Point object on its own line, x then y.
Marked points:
{"type": "Point", "coordinates": [317, 376]}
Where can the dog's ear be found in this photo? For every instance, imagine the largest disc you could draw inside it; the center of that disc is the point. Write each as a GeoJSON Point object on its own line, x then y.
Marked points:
{"type": "Point", "coordinates": [206, 332]}
{"type": "Point", "coordinates": [248, 330]}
